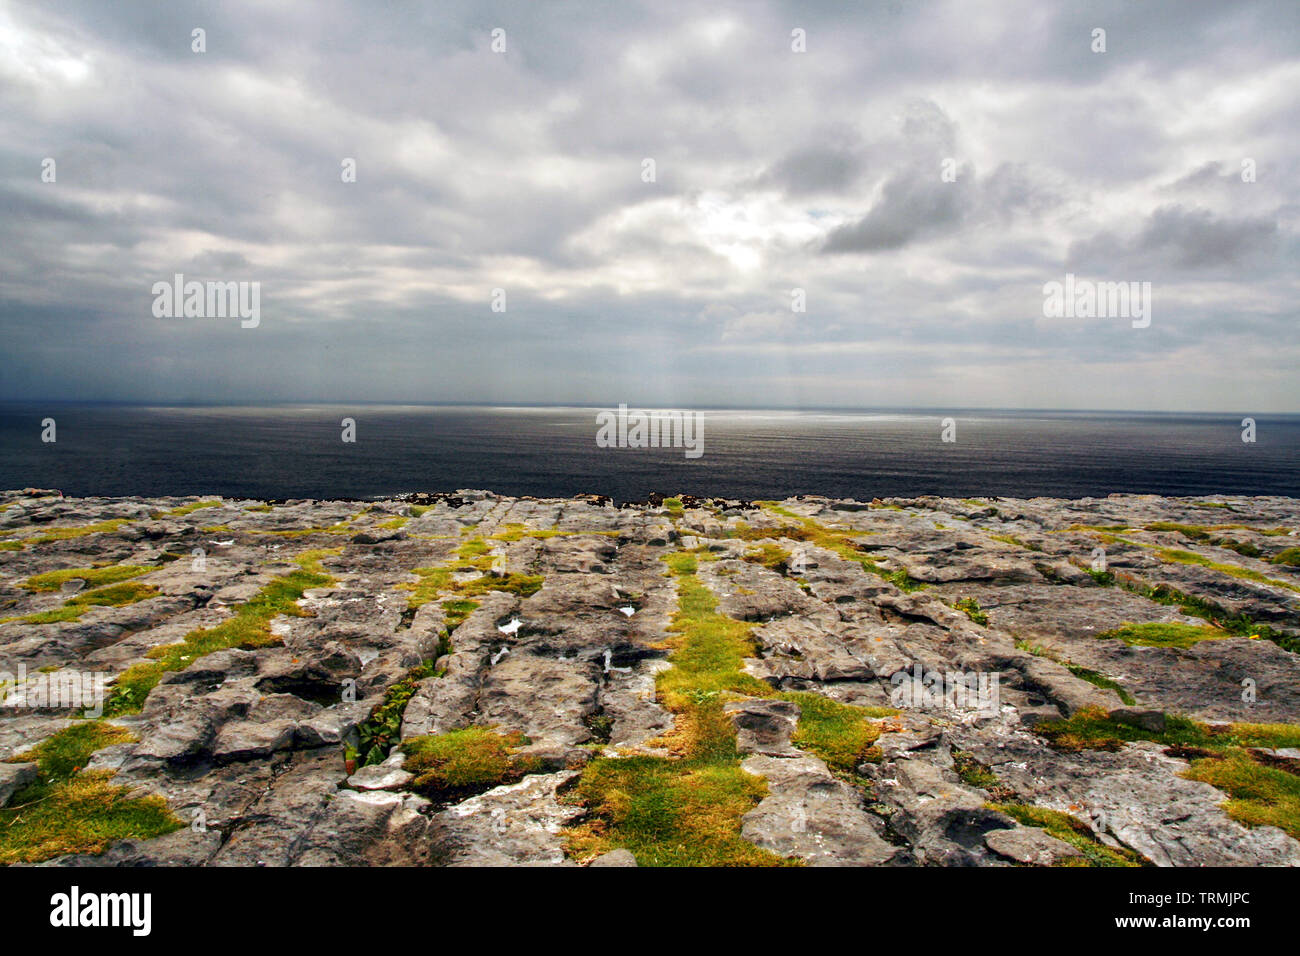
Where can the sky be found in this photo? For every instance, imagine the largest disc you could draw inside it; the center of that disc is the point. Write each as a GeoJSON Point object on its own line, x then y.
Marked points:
{"type": "Point", "coordinates": [523, 169]}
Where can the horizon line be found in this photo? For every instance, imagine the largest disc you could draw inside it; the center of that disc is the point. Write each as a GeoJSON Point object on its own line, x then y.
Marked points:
{"type": "Point", "coordinates": [840, 409]}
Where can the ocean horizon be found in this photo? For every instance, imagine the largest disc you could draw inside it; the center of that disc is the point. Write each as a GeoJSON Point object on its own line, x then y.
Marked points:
{"type": "Point", "coordinates": [297, 450]}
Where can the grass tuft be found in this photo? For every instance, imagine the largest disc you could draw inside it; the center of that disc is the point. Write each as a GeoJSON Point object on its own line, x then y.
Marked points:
{"type": "Point", "coordinates": [475, 758]}
{"type": "Point", "coordinates": [1165, 634]}
{"type": "Point", "coordinates": [841, 734]}
{"type": "Point", "coordinates": [72, 810]}
{"type": "Point", "coordinates": [972, 609]}
{"type": "Point", "coordinates": [94, 577]}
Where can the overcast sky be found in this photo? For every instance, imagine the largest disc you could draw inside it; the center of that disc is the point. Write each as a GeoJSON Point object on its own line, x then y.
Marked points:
{"type": "Point", "coordinates": [523, 170]}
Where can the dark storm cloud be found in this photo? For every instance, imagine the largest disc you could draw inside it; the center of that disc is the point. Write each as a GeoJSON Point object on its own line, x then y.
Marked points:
{"type": "Point", "coordinates": [524, 171]}
{"type": "Point", "coordinates": [815, 169]}
{"type": "Point", "coordinates": [910, 207]}
{"type": "Point", "coordinates": [1175, 237]}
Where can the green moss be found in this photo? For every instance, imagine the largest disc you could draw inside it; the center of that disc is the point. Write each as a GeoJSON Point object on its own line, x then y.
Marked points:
{"type": "Point", "coordinates": [1191, 532]}
{"type": "Point", "coordinates": [673, 506]}
{"type": "Point", "coordinates": [525, 585]}
{"type": "Point", "coordinates": [192, 507]}
{"type": "Point", "coordinates": [475, 758]}
{"type": "Point", "coordinates": [64, 534]}
{"type": "Point", "coordinates": [975, 774]}
{"type": "Point", "coordinates": [517, 532]}
{"type": "Point", "coordinates": [841, 734]}
{"type": "Point", "coordinates": [844, 545]}
{"type": "Point", "coordinates": [771, 556]}
{"type": "Point", "coordinates": [1290, 557]}
{"type": "Point", "coordinates": [745, 532]}
{"type": "Point", "coordinates": [82, 815]}
{"type": "Point", "coordinates": [1262, 791]}
{"type": "Point", "coordinates": [900, 579]}
{"type": "Point", "coordinates": [972, 609]}
{"type": "Point", "coordinates": [94, 577]}
{"type": "Point", "coordinates": [1091, 728]}
{"type": "Point", "coordinates": [249, 626]}
{"type": "Point", "coordinates": [1177, 556]}
{"type": "Point", "coordinates": [473, 548]}
{"type": "Point", "coordinates": [709, 649]}
{"type": "Point", "coordinates": [1244, 548]}
{"type": "Point", "coordinates": [115, 595]}
{"type": "Point", "coordinates": [60, 756]}
{"type": "Point", "coordinates": [1165, 634]}
{"type": "Point", "coordinates": [262, 509]}
{"type": "Point", "coordinates": [1098, 679]}
{"type": "Point", "coordinates": [685, 810]}
{"type": "Point", "coordinates": [71, 810]}
{"type": "Point", "coordinates": [1093, 677]}
{"type": "Point", "coordinates": [1239, 624]}
{"type": "Point", "coordinates": [455, 611]}
{"type": "Point", "coordinates": [1072, 831]}
{"type": "Point", "coordinates": [1258, 795]}
{"type": "Point", "coordinates": [669, 812]}
{"type": "Point", "coordinates": [394, 524]}
{"type": "Point", "coordinates": [431, 583]}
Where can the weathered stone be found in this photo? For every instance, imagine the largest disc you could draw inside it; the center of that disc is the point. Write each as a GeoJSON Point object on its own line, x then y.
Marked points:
{"type": "Point", "coordinates": [254, 739]}
{"type": "Point", "coordinates": [515, 825]}
{"type": "Point", "coordinates": [1152, 720]}
{"type": "Point", "coordinates": [810, 815]}
{"type": "Point", "coordinates": [764, 726]}
{"type": "Point", "coordinates": [380, 777]}
{"type": "Point", "coordinates": [614, 858]}
{"type": "Point", "coordinates": [13, 777]}
{"type": "Point", "coordinates": [1031, 846]}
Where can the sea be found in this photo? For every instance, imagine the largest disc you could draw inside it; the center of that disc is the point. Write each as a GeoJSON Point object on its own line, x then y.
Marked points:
{"type": "Point", "coordinates": [299, 451]}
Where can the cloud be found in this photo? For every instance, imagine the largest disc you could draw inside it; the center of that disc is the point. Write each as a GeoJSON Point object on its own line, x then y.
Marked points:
{"type": "Point", "coordinates": [522, 171]}
{"type": "Point", "coordinates": [911, 206]}
{"type": "Point", "coordinates": [1179, 238]}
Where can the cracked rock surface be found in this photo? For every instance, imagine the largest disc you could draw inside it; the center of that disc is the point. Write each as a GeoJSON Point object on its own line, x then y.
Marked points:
{"type": "Point", "coordinates": [566, 623]}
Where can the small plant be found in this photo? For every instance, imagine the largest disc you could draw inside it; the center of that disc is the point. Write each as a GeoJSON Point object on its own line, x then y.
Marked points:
{"type": "Point", "coordinates": [769, 555]}
{"type": "Point", "coordinates": [973, 611]}
{"type": "Point", "coordinates": [383, 727]}
{"type": "Point", "coordinates": [1098, 679]}
{"type": "Point", "coordinates": [975, 774]}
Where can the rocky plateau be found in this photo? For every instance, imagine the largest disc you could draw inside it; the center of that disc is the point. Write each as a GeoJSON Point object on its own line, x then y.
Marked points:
{"type": "Point", "coordinates": [469, 679]}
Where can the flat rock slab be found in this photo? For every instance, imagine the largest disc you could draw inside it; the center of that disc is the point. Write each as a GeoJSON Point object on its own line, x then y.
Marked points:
{"type": "Point", "coordinates": [1030, 846]}
{"type": "Point", "coordinates": [811, 816]}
